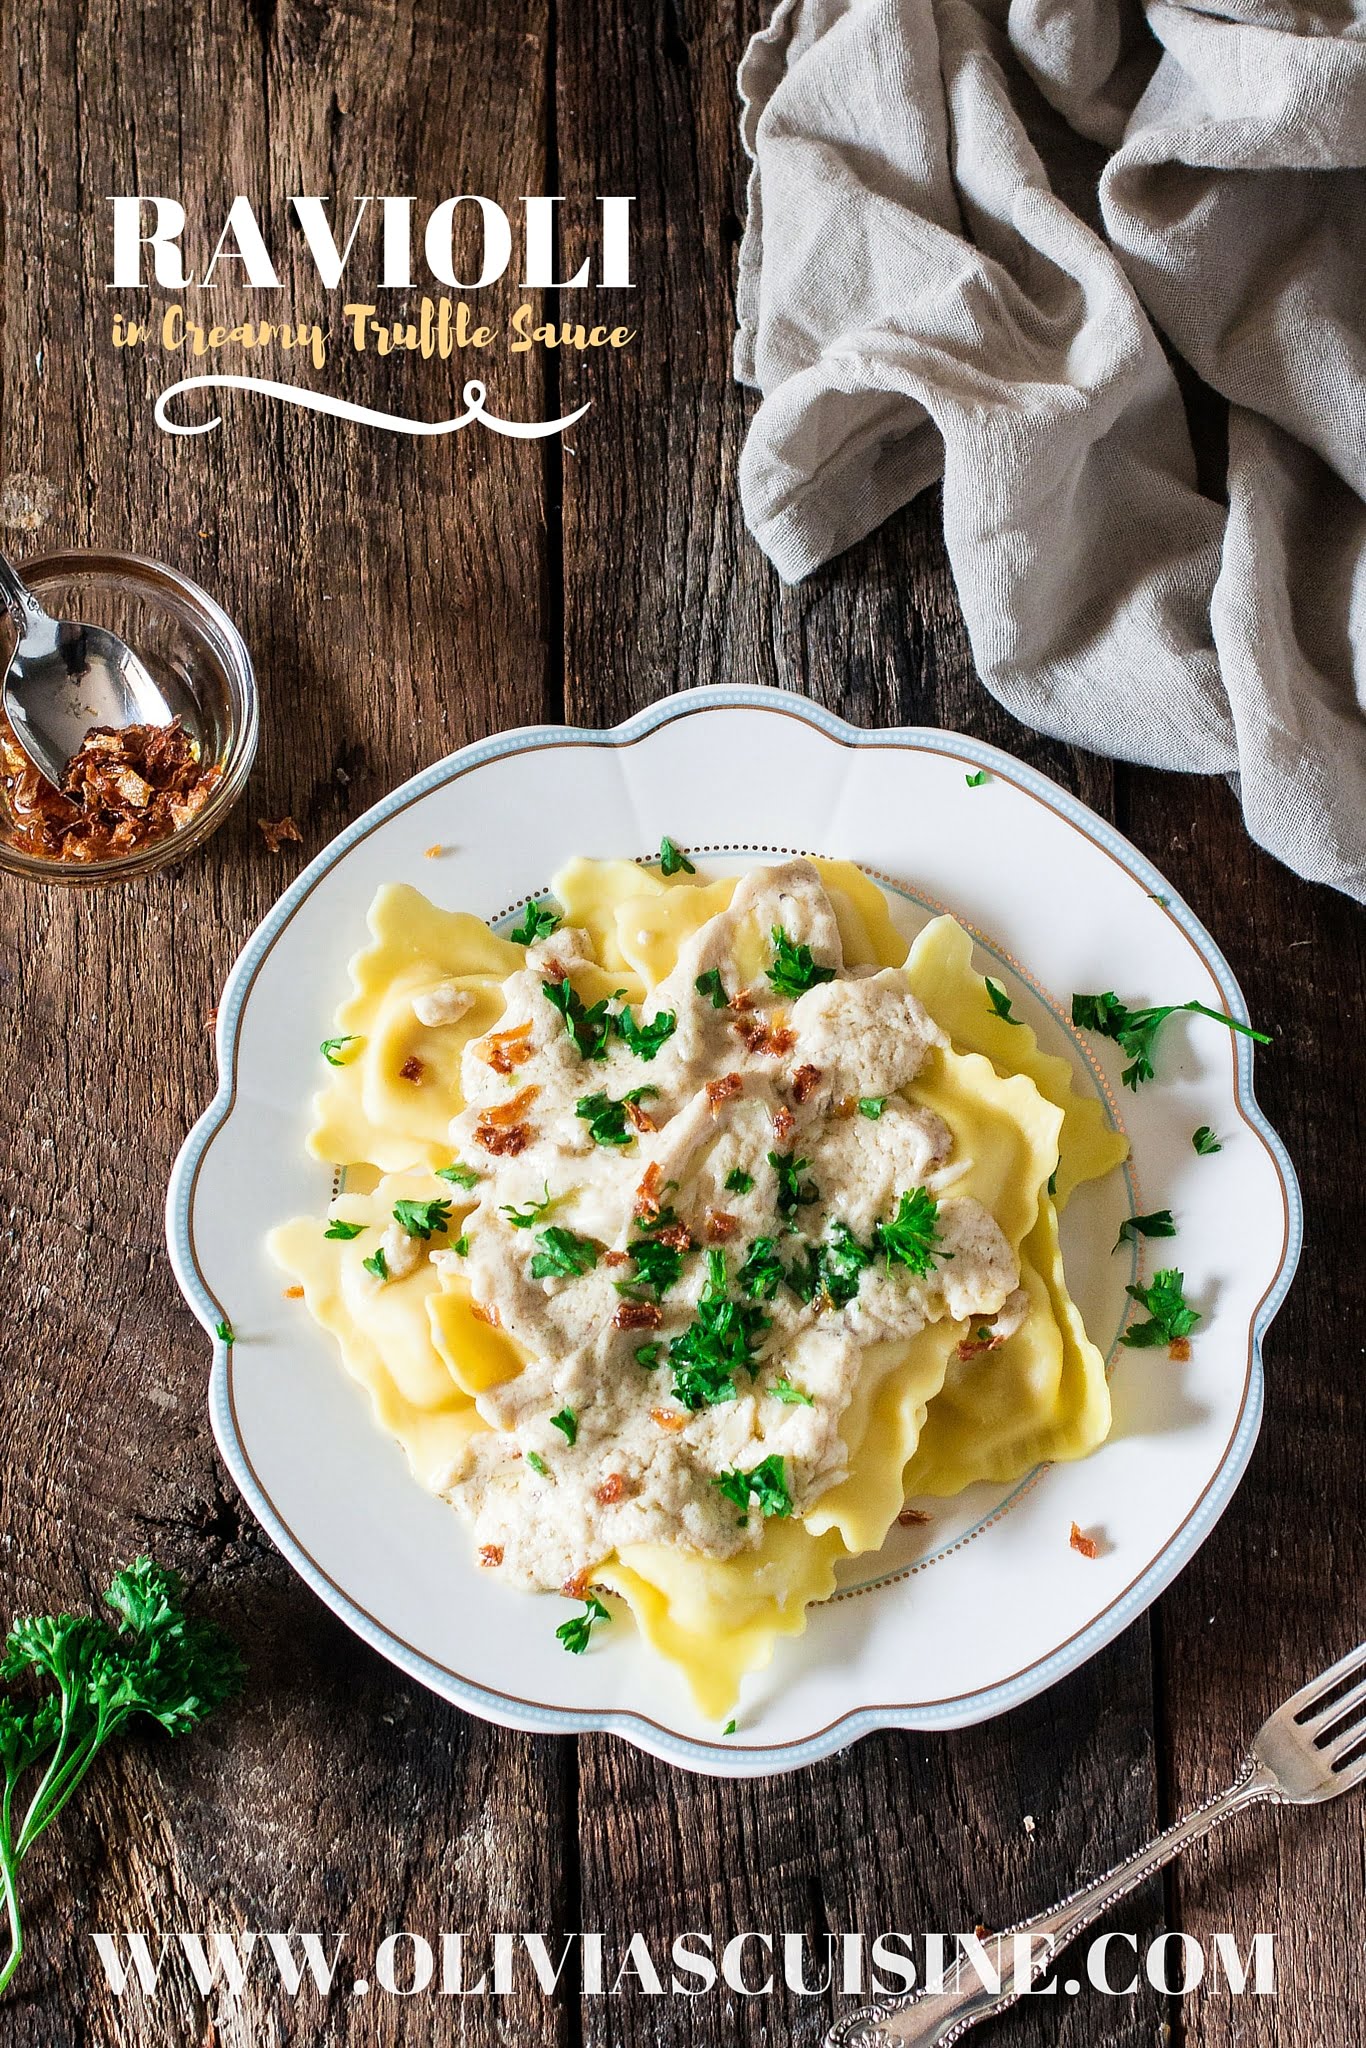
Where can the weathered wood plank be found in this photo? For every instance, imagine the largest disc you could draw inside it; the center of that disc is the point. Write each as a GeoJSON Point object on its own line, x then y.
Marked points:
{"type": "Point", "coordinates": [393, 594]}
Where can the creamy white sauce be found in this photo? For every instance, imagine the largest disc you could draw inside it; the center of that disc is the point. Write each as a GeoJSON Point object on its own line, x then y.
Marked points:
{"type": "Point", "coordinates": [642, 1466]}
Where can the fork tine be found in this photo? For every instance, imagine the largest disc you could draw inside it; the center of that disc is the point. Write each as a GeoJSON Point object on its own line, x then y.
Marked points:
{"type": "Point", "coordinates": [1351, 1773]}
{"type": "Point", "coordinates": [1326, 1719]}
{"type": "Point", "coordinates": [1352, 1729]}
{"type": "Point", "coordinates": [1307, 1695]}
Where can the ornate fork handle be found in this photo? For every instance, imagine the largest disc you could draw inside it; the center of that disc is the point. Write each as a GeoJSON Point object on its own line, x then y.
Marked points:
{"type": "Point", "coordinates": [1023, 1954]}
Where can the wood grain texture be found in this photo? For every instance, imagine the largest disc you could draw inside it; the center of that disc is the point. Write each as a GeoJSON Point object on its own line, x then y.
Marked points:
{"type": "Point", "coordinates": [401, 598]}
{"type": "Point", "coordinates": [394, 597]}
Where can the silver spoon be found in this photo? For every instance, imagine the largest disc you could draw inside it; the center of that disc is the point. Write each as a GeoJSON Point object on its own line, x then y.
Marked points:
{"type": "Point", "coordinates": [64, 678]}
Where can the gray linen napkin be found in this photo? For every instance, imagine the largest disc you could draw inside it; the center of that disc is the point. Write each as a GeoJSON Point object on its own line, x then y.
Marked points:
{"type": "Point", "coordinates": [970, 227]}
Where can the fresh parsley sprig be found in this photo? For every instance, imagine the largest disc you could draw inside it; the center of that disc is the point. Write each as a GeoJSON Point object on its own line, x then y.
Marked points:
{"type": "Point", "coordinates": [738, 1182]}
{"type": "Point", "coordinates": [94, 1677]}
{"type": "Point", "coordinates": [1000, 1002]}
{"type": "Point", "coordinates": [911, 1237]}
{"type": "Point", "coordinates": [766, 1485]}
{"type": "Point", "coordinates": [792, 1397]}
{"type": "Point", "coordinates": [337, 1228]}
{"type": "Point", "coordinates": [1160, 1223]}
{"type": "Point", "coordinates": [761, 1274]}
{"type": "Point", "coordinates": [830, 1273]}
{"type": "Point", "coordinates": [523, 1219]}
{"type": "Point", "coordinates": [422, 1219]}
{"type": "Point", "coordinates": [588, 1024]}
{"type": "Point", "coordinates": [333, 1048]}
{"type": "Point", "coordinates": [538, 921]}
{"type": "Point", "coordinates": [1205, 1141]}
{"type": "Point", "coordinates": [644, 1040]}
{"type": "Point", "coordinates": [794, 971]}
{"type": "Point", "coordinates": [575, 1632]}
{"type": "Point", "coordinates": [658, 1266]}
{"type": "Point", "coordinates": [673, 860]}
{"type": "Point", "coordinates": [1135, 1031]}
{"type": "Point", "coordinates": [567, 1422]}
{"type": "Point", "coordinates": [459, 1176]}
{"type": "Point", "coordinates": [563, 1255]}
{"type": "Point", "coordinates": [1171, 1316]}
{"type": "Point", "coordinates": [793, 1192]}
{"type": "Point", "coordinates": [606, 1118]}
{"type": "Point", "coordinates": [722, 1338]}
{"type": "Point", "coordinates": [713, 988]}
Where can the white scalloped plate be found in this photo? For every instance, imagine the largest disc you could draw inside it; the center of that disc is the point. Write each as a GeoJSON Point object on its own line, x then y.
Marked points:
{"type": "Point", "coordinates": [955, 1621]}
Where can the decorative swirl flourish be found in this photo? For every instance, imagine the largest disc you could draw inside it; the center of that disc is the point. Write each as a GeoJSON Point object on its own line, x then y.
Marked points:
{"type": "Point", "coordinates": [360, 415]}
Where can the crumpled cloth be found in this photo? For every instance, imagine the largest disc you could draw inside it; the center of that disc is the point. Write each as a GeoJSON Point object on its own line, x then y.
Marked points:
{"type": "Point", "coordinates": [976, 233]}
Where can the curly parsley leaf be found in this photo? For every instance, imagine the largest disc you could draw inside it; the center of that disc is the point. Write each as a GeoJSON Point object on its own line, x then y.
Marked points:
{"type": "Point", "coordinates": [1205, 1141]}
{"type": "Point", "coordinates": [794, 971]}
{"type": "Point", "coordinates": [567, 1422]}
{"type": "Point", "coordinates": [538, 922]}
{"type": "Point", "coordinates": [1135, 1031]}
{"type": "Point", "coordinates": [1159, 1224]}
{"type": "Point", "coordinates": [793, 1192]}
{"type": "Point", "coordinates": [377, 1264]}
{"type": "Point", "coordinates": [762, 1272]}
{"type": "Point", "coordinates": [333, 1048]}
{"type": "Point", "coordinates": [713, 988]}
{"type": "Point", "coordinates": [673, 860]}
{"type": "Point", "coordinates": [523, 1219]}
{"type": "Point", "coordinates": [644, 1040]}
{"type": "Point", "coordinates": [911, 1237]}
{"type": "Point", "coordinates": [590, 1026]}
{"type": "Point", "coordinates": [422, 1219]}
{"type": "Point", "coordinates": [575, 1632]}
{"type": "Point", "coordinates": [345, 1231]}
{"type": "Point", "coordinates": [563, 1255]}
{"type": "Point", "coordinates": [721, 1339]}
{"type": "Point", "coordinates": [459, 1176]}
{"type": "Point", "coordinates": [658, 1266]}
{"type": "Point", "coordinates": [1000, 1002]}
{"type": "Point", "coordinates": [1171, 1316]}
{"type": "Point", "coordinates": [793, 1397]}
{"type": "Point", "coordinates": [765, 1485]}
{"type": "Point", "coordinates": [154, 1659]}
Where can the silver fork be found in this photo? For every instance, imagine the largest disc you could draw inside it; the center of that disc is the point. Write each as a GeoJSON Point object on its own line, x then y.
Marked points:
{"type": "Point", "coordinates": [1311, 1749]}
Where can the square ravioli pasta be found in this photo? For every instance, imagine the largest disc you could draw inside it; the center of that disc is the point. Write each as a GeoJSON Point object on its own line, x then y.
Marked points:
{"type": "Point", "coordinates": [687, 1230]}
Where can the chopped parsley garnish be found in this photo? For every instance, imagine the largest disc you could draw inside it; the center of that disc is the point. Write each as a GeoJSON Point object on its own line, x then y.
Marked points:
{"type": "Point", "coordinates": [568, 1423]}
{"type": "Point", "coordinates": [345, 1231]}
{"type": "Point", "coordinates": [1000, 1002]}
{"type": "Point", "coordinates": [842, 1262]}
{"type": "Point", "coordinates": [377, 1264]}
{"type": "Point", "coordinates": [673, 860]}
{"type": "Point", "coordinates": [910, 1239]}
{"type": "Point", "coordinates": [538, 1464]}
{"type": "Point", "coordinates": [766, 1486]}
{"type": "Point", "coordinates": [1159, 1224]}
{"type": "Point", "coordinates": [459, 1176]}
{"type": "Point", "coordinates": [538, 921]}
{"type": "Point", "coordinates": [575, 1632]}
{"type": "Point", "coordinates": [648, 1355]}
{"type": "Point", "coordinates": [523, 1219]}
{"type": "Point", "coordinates": [1053, 1182]}
{"type": "Point", "coordinates": [711, 985]}
{"type": "Point", "coordinates": [589, 1025]}
{"type": "Point", "coordinates": [1205, 1141]}
{"type": "Point", "coordinates": [224, 1332]}
{"type": "Point", "coordinates": [871, 1106]}
{"type": "Point", "coordinates": [331, 1049]}
{"type": "Point", "coordinates": [644, 1040]}
{"type": "Point", "coordinates": [794, 1397]}
{"type": "Point", "coordinates": [762, 1272]}
{"type": "Point", "coordinates": [730, 1728]}
{"type": "Point", "coordinates": [793, 1192]}
{"type": "Point", "coordinates": [794, 971]}
{"type": "Point", "coordinates": [976, 781]}
{"type": "Point", "coordinates": [461, 1247]}
{"type": "Point", "coordinates": [1135, 1031]}
{"type": "Point", "coordinates": [421, 1219]}
{"type": "Point", "coordinates": [657, 1265]}
{"type": "Point", "coordinates": [563, 1255]}
{"type": "Point", "coordinates": [738, 1182]}
{"type": "Point", "coordinates": [1165, 1302]}
{"type": "Point", "coordinates": [722, 1338]}
{"type": "Point", "coordinates": [606, 1119]}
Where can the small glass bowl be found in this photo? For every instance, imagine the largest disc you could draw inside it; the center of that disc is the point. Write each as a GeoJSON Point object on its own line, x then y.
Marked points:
{"type": "Point", "coordinates": [190, 646]}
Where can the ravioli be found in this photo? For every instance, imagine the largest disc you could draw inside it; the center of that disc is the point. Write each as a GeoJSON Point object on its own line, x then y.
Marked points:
{"type": "Point", "coordinates": [697, 1233]}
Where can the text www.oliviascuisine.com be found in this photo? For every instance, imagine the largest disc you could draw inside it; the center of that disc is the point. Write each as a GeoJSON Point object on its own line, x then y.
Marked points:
{"type": "Point", "coordinates": [749, 1964]}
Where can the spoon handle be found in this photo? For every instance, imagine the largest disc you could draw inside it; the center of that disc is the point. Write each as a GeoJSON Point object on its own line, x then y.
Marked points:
{"type": "Point", "coordinates": [19, 601]}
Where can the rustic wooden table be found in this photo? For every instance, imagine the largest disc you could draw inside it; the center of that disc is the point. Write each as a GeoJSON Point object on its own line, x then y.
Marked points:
{"type": "Point", "coordinates": [476, 583]}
